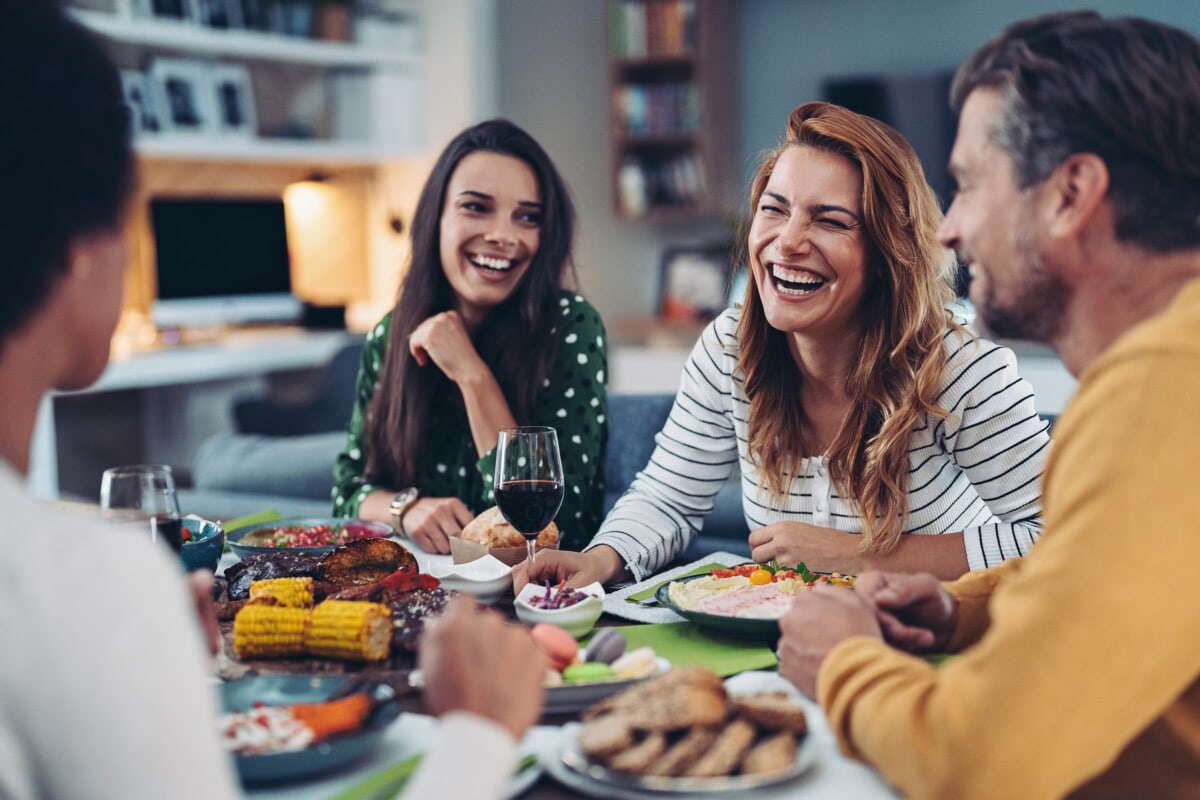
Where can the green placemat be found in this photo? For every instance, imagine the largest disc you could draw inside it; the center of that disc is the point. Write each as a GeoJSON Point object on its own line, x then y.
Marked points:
{"type": "Point", "coordinates": [646, 594]}
{"type": "Point", "coordinates": [686, 644]}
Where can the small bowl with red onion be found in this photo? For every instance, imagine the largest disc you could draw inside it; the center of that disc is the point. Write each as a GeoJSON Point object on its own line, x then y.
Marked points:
{"type": "Point", "coordinates": [575, 610]}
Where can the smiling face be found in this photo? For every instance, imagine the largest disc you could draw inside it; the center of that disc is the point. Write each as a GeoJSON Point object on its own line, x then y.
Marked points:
{"type": "Point", "coordinates": [489, 231]}
{"type": "Point", "coordinates": [808, 249]}
{"type": "Point", "coordinates": [992, 225]}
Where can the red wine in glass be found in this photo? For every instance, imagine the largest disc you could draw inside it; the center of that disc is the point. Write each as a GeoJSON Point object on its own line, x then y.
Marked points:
{"type": "Point", "coordinates": [167, 528]}
{"type": "Point", "coordinates": [529, 484]}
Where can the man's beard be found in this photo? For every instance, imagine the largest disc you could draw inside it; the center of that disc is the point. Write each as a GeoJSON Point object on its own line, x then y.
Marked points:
{"type": "Point", "coordinates": [1035, 311]}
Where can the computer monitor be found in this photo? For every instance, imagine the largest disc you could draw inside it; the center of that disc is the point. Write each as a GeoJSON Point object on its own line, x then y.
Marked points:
{"type": "Point", "coordinates": [221, 261]}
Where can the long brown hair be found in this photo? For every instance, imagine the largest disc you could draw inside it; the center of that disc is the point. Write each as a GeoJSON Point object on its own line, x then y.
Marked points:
{"type": "Point", "coordinates": [397, 424]}
{"type": "Point", "coordinates": [898, 376]}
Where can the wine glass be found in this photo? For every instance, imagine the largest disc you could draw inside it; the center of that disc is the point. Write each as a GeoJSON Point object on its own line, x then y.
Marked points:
{"type": "Point", "coordinates": [142, 497]}
{"type": "Point", "coordinates": [529, 483]}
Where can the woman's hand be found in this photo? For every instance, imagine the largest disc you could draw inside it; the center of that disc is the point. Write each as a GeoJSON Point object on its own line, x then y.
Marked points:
{"type": "Point", "coordinates": [820, 549]}
{"type": "Point", "coordinates": [602, 564]}
{"type": "Point", "coordinates": [431, 521]}
{"type": "Point", "coordinates": [443, 339]}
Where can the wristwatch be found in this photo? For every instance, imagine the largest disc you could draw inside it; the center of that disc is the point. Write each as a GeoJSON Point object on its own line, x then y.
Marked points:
{"type": "Point", "coordinates": [401, 503]}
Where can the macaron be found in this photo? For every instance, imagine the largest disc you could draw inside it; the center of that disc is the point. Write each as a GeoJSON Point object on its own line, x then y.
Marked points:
{"type": "Point", "coordinates": [606, 646]}
{"type": "Point", "coordinates": [558, 644]}
{"type": "Point", "coordinates": [588, 671]}
{"type": "Point", "coordinates": [638, 663]}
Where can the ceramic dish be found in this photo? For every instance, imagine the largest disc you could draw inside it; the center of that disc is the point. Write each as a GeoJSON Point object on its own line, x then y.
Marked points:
{"type": "Point", "coordinates": [573, 767]}
{"type": "Point", "coordinates": [278, 690]}
{"type": "Point", "coordinates": [744, 627]}
{"type": "Point", "coordinates": [242, 541]}
{"type": "Point", "coordinates": [486, 578]}
{"type": "Point", "coordinates": [576, 619]}
{"type": "Point", "coordinates": [204, 549]}
{"type": "Point", "coordinates": [569, 698]}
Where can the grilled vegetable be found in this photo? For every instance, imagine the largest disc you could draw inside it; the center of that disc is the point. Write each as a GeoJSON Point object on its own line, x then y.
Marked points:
{"type": "Point", "coordinates": [287, 592]}
{"type": "Point", "coordinates": [266, 631]}
{"type": "Point", "coordinates": [350, 631]}
{"type": "Point", "coordinates": [336, 716]}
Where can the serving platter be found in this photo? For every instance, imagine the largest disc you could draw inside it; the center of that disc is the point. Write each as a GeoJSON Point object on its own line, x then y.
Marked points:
{"type": "Point", "coordinates": [742, 627]}
{"type": "Point", "coordinates": [242, 541]}
{"type": "Point", "coordinates": [574, 769]}
{"type": "Point", "coordinates": [280, 690]}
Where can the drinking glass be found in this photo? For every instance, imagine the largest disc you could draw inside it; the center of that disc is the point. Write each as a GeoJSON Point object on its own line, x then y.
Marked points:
{"type": "Point", "coordinates": [142, 497]}
{"type": "Point", "coordinates": [529, 483]}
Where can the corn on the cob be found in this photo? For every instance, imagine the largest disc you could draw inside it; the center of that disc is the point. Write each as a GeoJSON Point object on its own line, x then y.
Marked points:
{"type": "Point", "coordinates": [350, 630]}
{"type": "Point", "coordinates": [287, 592]}
{"type": "Point", "coordinates": [263, 631]}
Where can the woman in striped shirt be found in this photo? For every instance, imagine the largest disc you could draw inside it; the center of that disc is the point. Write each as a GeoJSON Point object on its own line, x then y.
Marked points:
{"type": "Point", "coordinates": [864, 418]}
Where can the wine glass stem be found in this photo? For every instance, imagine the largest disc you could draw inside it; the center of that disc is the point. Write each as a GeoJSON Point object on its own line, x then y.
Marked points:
{"type": "Point", "coordinates": [532, 545]}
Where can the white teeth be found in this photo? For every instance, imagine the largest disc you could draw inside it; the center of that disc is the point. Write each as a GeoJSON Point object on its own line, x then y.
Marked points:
{"type": "Point", "coordinates": [794, 284]}
{"type": "Point", "coordinates": [492, 263]}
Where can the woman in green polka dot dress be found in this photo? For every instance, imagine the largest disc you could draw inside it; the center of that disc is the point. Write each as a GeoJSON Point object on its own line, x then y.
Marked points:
{"type": "Point", "coordinates": [482, 337]}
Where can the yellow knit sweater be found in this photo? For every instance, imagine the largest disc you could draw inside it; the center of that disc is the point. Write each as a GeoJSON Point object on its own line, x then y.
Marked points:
{"type": "Point", "coordinates": [1079, 671]}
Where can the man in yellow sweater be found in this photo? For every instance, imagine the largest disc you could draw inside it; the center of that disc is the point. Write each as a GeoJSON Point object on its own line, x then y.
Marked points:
{"type": "Point", "coordinates": [1078, 667]}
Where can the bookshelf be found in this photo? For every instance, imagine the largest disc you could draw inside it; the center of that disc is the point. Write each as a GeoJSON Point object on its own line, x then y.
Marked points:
{"type": "Point", "coordinates": [671, 85]}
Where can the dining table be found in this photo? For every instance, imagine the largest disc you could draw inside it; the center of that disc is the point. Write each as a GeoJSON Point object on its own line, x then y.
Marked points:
{"type": "Point", "coordinates": [747, 669]}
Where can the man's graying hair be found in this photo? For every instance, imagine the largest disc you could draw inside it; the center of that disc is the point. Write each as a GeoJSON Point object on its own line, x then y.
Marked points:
{"type": "Point", "coordinates": [1124, 89]}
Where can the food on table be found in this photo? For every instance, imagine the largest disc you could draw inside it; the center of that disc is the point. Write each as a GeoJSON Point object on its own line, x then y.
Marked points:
{"type": "Point", "coordinates": [635, 664]}
{"type": "Point", "coordinates": [364, 562]}
{"type": "Point", "coordinates": [751, 591]}
{"type": "Point", "coordinates": [606, 646]}
{"type": "Point", "coordinates": [562, 597]}
{"type": "Point", "coordinates": [684, 724]}
{"type": "Point", "coordinates": [350, 631]}
{"type": "Point", "coordinates": [370, 571]}
{"type": "Point", "coordinates": [322, 535]}
{"type": "Point", "coordinates": [491, 529]}
{"type": "Point", "coordinates": [286, 592]}
{"type": "Point", "coordinates": [559, 645]}
{"type": "Point", "coordinates": [268, 631]}
{"type": "Point", "coordinates": [276, 729]}
{"type": "Point", "coordinates": [588, 671]}
{"type": "Point", "coordinates": [263, 566]}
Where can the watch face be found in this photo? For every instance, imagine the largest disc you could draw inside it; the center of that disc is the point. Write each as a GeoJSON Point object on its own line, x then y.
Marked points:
{"type": "Point", "coordinates": [407, 496]}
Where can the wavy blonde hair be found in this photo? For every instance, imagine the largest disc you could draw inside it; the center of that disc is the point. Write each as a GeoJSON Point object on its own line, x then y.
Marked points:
{"type": "Point", "coordinates": [897, 379]}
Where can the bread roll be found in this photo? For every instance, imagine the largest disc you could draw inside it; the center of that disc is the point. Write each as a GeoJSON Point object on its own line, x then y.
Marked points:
{"type": "Point", "coordinates": [491, 529]}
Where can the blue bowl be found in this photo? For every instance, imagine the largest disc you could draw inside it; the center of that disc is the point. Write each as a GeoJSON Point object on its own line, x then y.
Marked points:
{"type": "Point", "coordinates": [204, 549]}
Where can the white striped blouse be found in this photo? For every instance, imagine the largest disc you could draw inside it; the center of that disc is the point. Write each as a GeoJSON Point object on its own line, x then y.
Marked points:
{"type": "Point", "coordinates": [978, 471]}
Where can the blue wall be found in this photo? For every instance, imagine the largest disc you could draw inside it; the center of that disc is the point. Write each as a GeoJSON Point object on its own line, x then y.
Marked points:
{"type": "Point", "coordinates": [789, 46]}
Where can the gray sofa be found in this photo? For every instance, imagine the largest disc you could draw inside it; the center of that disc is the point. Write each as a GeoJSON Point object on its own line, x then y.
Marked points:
{"type": "Point", "coordinates": [242, 473]}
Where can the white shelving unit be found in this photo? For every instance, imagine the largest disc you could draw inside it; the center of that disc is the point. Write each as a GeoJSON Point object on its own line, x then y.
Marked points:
{"type": "Point", "coordinates": [373, 108]}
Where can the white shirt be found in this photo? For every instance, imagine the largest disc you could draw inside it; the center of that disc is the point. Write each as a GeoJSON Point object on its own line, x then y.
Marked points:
{"type": "Point", "coordinates": [103, 691]}
{"type": "Point", "coordinates": [978, 472]}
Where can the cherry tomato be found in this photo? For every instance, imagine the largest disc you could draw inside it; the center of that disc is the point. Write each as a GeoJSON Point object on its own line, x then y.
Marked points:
{"type": "Point", "coordinates": [745, 570]}
{"type": "Point", "coordinates": [722, 573]}
{"type": "Point", "coordinates": [760, 576]}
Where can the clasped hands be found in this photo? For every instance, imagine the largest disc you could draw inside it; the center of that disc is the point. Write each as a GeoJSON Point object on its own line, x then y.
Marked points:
{"type": "Point", "coordinates": [910, 612]}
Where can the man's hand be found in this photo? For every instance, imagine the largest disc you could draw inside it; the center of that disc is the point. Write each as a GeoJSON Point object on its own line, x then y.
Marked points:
{"type": "Point", "coordinates": [914, 611]}
{"type": "Point", "coordinates": [601, 564]}
{"type": "Point", "coordinates": [816, 622]}
{"type": "Point", "coordinates": [431, 521]}
{"type": "Point", "coordinates": [201, 585]}
{"type": "Point", "coordinates": [474, 661]}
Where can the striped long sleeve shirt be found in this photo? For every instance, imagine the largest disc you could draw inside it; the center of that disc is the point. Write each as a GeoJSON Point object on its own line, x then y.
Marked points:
{"type": "Point", "coordinates": [978, 471]}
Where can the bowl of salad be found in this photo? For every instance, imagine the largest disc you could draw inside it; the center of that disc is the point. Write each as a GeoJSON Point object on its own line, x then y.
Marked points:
{"type": "Point", "coordinates": [312, 535]}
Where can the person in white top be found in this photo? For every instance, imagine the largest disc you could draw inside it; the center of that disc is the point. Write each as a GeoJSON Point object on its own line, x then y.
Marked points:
{"type": "Point", "coordinates": [858, 409]}
{"type": "Point", "coordinates": [103, 690]}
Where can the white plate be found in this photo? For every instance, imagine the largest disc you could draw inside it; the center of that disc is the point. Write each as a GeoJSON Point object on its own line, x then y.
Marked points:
{"type": "Point", "coordinates": [572, 697]}
{"type": "Point", "coordinates": [573, 768]}
{"type": "Point", "coordinates": [576, 619]}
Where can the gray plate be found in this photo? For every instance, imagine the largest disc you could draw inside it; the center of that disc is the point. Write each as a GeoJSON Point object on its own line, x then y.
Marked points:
{"type": "Point", "coordinates": [282, 690]}
{"type": "Point", "coordinates": [235, 537]}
